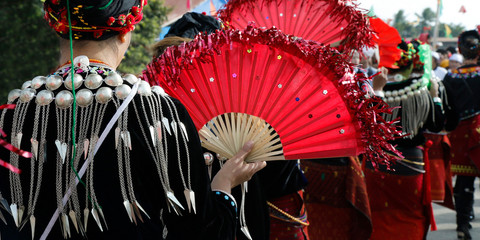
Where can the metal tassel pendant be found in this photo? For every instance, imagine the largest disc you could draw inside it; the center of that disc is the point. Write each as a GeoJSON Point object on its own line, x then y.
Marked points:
{"type": "Point", "coordinates": [184, 130]}
{"type": "Point", "coordinates": [62, 149]}
{"type": "Point", "coordinates": [32, 225]}
{"type": "Point", "coordinates": [34, 148]}
{"type": "Point", "coordinates": [246, 232]}
{"type": "Point", "coordinates": [166, 124]}
{"type": "Point", "coordinates": [3, 218]}
{"type": "Point", "coordinates": [158, 127]}
{"type": "Point", "coordinates": [136, 210]}
{"type": "Point", "coordinates": [73, 217]}
{"type": "Point", "coordinates": [100, 211]}
{"type": "Point", "coordinates": [14, 211]}
{"type": "Point", "coordinates": [117, 135]}
{"type": "Point", "coordinates": [141, 209]}
{"type": "Point", "coordinates": [86, 144]}
{"type": "Point", "coordinates": [85, 218]}
{"type": "Point", "coordinates": [192, 199]}
{"type": "Point", "coordinates": [21, 210]}
{"type": "Point", "coordinates": [66, 226]}
{"type": "Point", "coordinates": [174, 128]}
{"type": "Point", "coordinates": [19, 139]}
{"type": "Point", "coordinates": [173, 199]}
{"type": "Point", "coordinates": [95, 216]}
{"type": "Point", "coordinates": [187, 197]}
{"type": "Point", "coordinates": [128, 208]}
{"type": "Point", "coordinates": [152, 135]}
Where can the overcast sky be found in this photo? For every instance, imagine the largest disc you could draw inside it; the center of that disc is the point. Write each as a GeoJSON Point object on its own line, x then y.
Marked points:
{"type": "Point", "coordinates": [386, 9]}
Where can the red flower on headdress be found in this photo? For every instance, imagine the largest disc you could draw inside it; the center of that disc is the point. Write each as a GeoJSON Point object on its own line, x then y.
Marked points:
{"type": "Point", "coordinates": [110, 21]}
{"type": "Point", "coordinates": [60, 27]}
{"type": "Point", "coordinates": [135, 10]}
{"type": "Point", "coordinates": [130, 19]}
{"type": "Point", "coordinates": [121, 19]}
{"type": "Point", "coordinates": [56, 2]}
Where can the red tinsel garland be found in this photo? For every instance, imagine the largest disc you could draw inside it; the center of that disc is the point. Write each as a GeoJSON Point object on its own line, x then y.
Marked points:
{"type": "Point", "coordinates": [375, 131]}
{"type": "Point", "coordinates": [358, 31]}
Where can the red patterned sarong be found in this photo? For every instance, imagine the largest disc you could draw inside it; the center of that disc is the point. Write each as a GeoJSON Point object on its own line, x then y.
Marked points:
{"type": "Point", "coordinates": [398, 209]}
{"type": "Point", "coordinates": [440, 173]}
{"type": "Point", "coordinates": [337, 201]}
{"type": "Point", "coordinates": [465, 142]}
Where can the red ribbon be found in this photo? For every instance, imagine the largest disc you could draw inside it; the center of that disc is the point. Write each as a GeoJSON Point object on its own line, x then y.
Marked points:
{"type": "Point", "coordinates": [7, 106]}
{"type": "Point", "coordinates": [11, 148]}
{"type": "Point", "coordinates": [9, 167]}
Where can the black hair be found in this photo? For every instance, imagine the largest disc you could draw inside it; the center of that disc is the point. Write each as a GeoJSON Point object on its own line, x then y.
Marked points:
{"type": "Point", "coordinates": [469, 44]}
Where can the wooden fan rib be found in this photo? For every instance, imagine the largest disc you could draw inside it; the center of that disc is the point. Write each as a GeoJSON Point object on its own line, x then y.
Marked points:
{"type": "Point", "coordinates": [214, 111]}
{"type": "Point", "coordinates": [269, 88]}
{"type": "Point", "coordinates": [223, 130]}
{"type": "Point", "coordinates": [218, 134]}
{"type": "Point", "coordinates": [199, 118]}
{"type": "Point", "coordinates": [213, 143]}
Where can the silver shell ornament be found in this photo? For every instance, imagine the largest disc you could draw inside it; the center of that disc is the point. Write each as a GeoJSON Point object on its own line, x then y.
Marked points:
{"type": "Point", "coordinates": [26, 85]}
{"type": "Point", "coordinates": [93, 81]}
{"type": "Point", "coordinates": [159, 90]}
{"type": "Point", "coordinates": [14, 94]}
{"type": "Point", "coordinates": [81, 61]}
{"type": "Point", "coordinates": [122, 91]}
{"type": "Point", "coordinates": [44, 97]}
{"type": "Point", "coordinates": [84, 97]}
{"type": "Point", "coordinates": [144, 89]}
{"type": "Point", "coordinates": [64, 99]}
{"type": "Point", "coordinates": [130, 78]}
{"type": "Point", "coordinates": [53, 82]}
{"type": "Point", "coordinates": [113, 79]}
{"type": "Point", "coordinates": [104, 94]}
{"type": "Point", "coordinates": [27, 94]}
{"type": "Point", "coordinates": [77, 80]}
{"type": "Point", "coordinates": [38, 82]}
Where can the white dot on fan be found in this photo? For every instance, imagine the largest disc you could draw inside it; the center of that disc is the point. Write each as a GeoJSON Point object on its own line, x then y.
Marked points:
{"type": "Point", "coordinates": [325, 92]}
{"type": "Point", "coordinates": [341, 28]}
{"type": "Point", "coordinates": [192, 90]}
{"type": "Point", "coordinates": [342, 131]}
{"type": "Point", "coordinates": [294, 15]}
{"type": "Point", "coordinates": [279, 85]}
{"type": "Point", "coordinates": [281, 14]}
{"type": "Point", "coordinates": [211, 79]}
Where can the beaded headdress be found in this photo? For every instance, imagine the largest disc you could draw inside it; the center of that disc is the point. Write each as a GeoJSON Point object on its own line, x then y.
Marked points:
{"type": "Point", "coordinates": [94, 20]}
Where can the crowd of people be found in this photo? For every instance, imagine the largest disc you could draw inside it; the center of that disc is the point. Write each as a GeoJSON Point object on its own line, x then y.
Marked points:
{"type": "Point", "coordinates": [153, 180]}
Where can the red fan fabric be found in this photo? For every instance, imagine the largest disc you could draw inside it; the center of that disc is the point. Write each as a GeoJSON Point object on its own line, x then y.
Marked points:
{"type": "Point", "coordinates": [387, 38]}
{"type": "Point", "coordinates": [306, 92]}
{"type": "Point", "coordinates": [323, 21]}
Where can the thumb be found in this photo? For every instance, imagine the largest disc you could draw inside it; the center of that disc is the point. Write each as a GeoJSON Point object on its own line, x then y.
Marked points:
{"type": "Point", "coordinates": [244, 151]}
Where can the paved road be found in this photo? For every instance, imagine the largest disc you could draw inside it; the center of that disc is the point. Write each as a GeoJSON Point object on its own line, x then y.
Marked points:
{"type": "Point", "coordinates": [445, 219]}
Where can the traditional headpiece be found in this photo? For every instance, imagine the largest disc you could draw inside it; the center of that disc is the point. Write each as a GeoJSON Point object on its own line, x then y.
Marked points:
{"type": "Point", "coordinates": [95, 20]}
{"type": "Point", "coordinates": [469, 44]}
{"type": "Point", "coordinates": [408, 54]}
{"type": "Point", "coordinates": [193, 23]}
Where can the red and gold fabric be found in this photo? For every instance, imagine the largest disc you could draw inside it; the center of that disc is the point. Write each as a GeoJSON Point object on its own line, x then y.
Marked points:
{"type": "Point", "coordinates": [465, 143]}
{"type": "Point", "coordinates": [288, 217]}
{"type": "Point", "coordinates": [397, 203]}
{"type": "Point", "coordinates": [440, 169]}
{"type": "Point", "coordinates": [337, 201]}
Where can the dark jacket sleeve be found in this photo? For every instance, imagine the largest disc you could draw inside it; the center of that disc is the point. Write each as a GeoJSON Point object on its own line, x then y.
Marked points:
{"type": "Point", "coordinates": [452, 118]}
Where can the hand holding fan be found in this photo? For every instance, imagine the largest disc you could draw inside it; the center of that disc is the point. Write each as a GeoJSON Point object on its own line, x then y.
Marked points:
{"type": "Point", "coordinates": [323, 21]}
{"type": "Point", "coordinates": [295, 99]}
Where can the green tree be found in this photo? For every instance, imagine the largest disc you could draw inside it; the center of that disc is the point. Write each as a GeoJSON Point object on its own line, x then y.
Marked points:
{"type": "Point", "coordinates": [403, 27]}
{"type": "Point", "coordinates": [138, 54]}
{"type": "Point", "coordinates": [427, 20]}
{"type": "Point", "coordinates": [28, 47]}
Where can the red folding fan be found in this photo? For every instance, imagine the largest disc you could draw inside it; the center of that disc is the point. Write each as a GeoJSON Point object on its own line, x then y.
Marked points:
{"type": "Point", "coordinates": [324, 21]}
{"type": "Point", "coordinates": [295, 99]}
{"type": "Point", "coordinates": [387, 38]}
